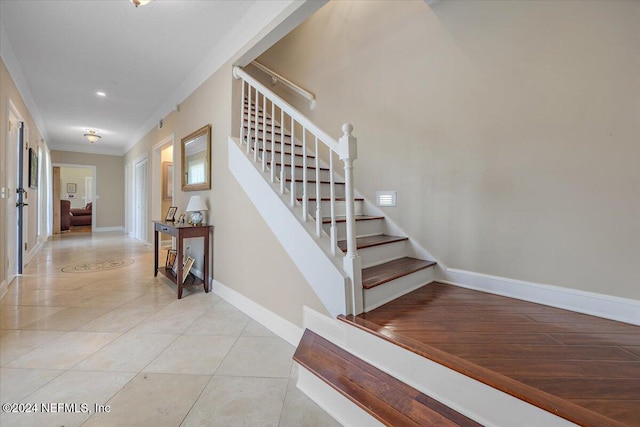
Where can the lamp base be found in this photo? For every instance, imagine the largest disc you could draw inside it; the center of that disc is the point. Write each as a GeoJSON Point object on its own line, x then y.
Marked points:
{"type": "Point", "coordinates": [196, 218]}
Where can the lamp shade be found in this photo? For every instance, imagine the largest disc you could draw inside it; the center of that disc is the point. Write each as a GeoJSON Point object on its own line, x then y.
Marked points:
{"type": "Point", "coordinates": [196, 204]}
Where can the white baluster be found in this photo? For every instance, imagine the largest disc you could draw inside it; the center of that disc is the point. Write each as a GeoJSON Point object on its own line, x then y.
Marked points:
{"type": "Point", "coordinates": [332, 188]}
{"type": "Point", "coordinates": [305, 190]}
{"type": "Point", "coordinates": [242, 101]}
{"type": "Point", "coordinates": [282, 168]}
{"type": "Point", "coordinates": [248, 119]}
{"type": "Point", "coordinates": [292, 187]}
{"type": "Point", "coordinates": [255, 135]}
{"type": "Point", "coordinates": [348, 145]}
{"type": "Point", "coordinates": [318, 195]}
{"type": "Point", "coordinates": [273, 142]}
{"type": "Point", "coordinates": [264, 133]}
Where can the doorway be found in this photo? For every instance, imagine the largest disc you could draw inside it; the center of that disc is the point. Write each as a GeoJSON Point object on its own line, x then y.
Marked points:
{"type": "Point", "coordinates": [162, 184]}
{"type": "Point", "coordinates": [12, 248]}
{"type": "Point", "coordinates": [74, 197]}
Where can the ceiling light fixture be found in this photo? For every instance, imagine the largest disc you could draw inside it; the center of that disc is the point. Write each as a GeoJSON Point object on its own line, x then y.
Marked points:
{"type": "Point", "coordinates": [140, 2]}
{"type": "Point", "coordinates": [101, 94]}
{"type": "Point", "coordinates": [92, 136]}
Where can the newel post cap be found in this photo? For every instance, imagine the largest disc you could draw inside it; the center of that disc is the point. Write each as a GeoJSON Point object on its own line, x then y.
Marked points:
{"type": "Point", "coordinates": [348, 143]}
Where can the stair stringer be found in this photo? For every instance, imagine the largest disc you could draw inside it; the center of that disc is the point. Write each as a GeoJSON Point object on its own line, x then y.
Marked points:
{"type": "Point", "coordinates": [474, 399]}
{"type": "Point", "coordinates": [312, 256]}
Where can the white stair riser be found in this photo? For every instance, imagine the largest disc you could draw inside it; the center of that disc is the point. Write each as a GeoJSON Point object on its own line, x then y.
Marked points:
{"type": "Point", "coordinates": [325, 190]}
{"type": "Point", "coordinates": [340, 208]}
{"type": "Point", "coordinates": [375, 255]}
{"type": "Point", "coordinates": [363, 228]}
{"type": "Point", "coordinates": [389, 291]}
{"type": "Point", "coordinates": [311, 173]}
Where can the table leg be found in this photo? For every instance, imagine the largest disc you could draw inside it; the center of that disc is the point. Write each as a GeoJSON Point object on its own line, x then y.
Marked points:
{"type": "Point", "coordinates": [206, 261]}
{"type": "Point", "coordinates": [155, 251]}
{"type": "Point", "coordinates": [179, 261]}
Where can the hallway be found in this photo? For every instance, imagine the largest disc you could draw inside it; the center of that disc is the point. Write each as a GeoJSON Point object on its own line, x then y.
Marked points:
{"type": "Point", "coordinates": [119, 338]}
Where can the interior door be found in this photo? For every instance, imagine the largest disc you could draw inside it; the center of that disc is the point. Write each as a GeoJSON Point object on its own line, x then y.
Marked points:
{"type": "Point", "coordinates": [140, 201]}
{"type": "Point", "coordinates": [20, 199]}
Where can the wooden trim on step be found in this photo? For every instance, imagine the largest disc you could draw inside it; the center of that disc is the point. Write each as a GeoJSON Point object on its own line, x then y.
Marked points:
{"type": "Point", "coordinates": [386, 398]}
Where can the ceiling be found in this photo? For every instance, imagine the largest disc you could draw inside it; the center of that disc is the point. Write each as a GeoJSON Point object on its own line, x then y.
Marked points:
{"type": "Point", "coordinates": [146, 60]}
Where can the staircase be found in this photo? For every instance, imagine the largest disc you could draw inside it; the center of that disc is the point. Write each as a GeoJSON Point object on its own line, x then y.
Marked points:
{"type": "Point", "coordinates": [299, 160]}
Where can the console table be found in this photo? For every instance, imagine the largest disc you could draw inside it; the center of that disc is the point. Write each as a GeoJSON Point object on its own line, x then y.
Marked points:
{"type": "Point", "coordinates": [181, 232]}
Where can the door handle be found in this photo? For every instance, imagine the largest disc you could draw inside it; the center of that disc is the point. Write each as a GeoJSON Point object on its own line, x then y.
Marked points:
{"type": "Point", "coordinates": [20, 205]}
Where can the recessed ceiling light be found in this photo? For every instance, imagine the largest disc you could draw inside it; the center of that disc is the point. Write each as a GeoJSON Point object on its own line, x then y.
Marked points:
{"type": "Point", "coordinates": [101, 94]}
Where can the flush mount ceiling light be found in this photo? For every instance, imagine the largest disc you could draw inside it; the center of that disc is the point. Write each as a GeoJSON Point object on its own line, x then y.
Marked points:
{"type": "Point", "coordinates": [92, 136]}
{"type": "Point", "coordinates": [140, 2]}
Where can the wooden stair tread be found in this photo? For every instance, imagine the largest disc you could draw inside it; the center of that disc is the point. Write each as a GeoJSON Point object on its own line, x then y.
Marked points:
{"type": "Point", "coordinates": [387, 399]}
{"type": "Point", "coordinates": [370, 241]}
{"type": "Point", "coordinates": [388, 271]}
{"type": "Point", "coordinates": [314, 181]}
{"type": "Point", "coordinates": [327, 220]}
{"type": "Point", "coordinates": [327, 199]}
{"type": "Point", "coordinates": [301, 166]}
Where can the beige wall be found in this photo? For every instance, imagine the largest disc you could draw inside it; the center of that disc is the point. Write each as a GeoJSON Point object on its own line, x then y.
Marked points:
{"type": "Point", "coordinates": [108, 183]}
{"type": "Point", "coordinates": [76, 176]}
{"type": "Point", "coordinates": [246, 255]}
{"type": "Point", "coordinates": [33, 138]}
{"type": "Point", "coordinates": [509, 129]}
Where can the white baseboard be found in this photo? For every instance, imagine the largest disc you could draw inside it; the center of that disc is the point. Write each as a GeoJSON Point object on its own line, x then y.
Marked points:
{"type": "Point", "coordinates": [4, 288]}
{"type": "Point", "coordinates": [107, 229]}
{"type": "Point", "coordinates": [276, 324]}
{"type": "Point", "coordinates": [609, 307]}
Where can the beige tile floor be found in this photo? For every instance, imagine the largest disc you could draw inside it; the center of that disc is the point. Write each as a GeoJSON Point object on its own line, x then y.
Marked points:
{"type": "Point", "coordinates": [121, 338]}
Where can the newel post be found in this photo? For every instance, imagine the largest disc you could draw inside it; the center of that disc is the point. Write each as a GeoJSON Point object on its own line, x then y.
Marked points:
{"type": "Point", "coordinates": [352, 265]}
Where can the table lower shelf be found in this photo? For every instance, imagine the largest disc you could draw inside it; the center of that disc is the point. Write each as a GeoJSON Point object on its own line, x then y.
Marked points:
{"type": "Point", "coordinates": [190, 280]}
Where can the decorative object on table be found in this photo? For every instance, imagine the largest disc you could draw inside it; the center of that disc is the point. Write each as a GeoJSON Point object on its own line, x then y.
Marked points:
{"type": "Point", "coordinates": [187, 267]}
{"type": "Point", "coordinates": [171, 214]}
{"type": "Point", "coordinates": [167, 180]}
{"type": "Point", "coordinates": [33, 168]}
{"type": "Point", "coordinates": [196, 206]}
{"type": "Point", "coordinates": [172, 254]}
{"type": "Point", "coordinates": [72, 187]}
{"type": "Point", "coordinates": [196, 158]}
{"type": "Point", "coordinates": [181, 219]}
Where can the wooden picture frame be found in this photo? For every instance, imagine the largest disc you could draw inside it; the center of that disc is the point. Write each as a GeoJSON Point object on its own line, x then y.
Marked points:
{"type": "Point", "coordinates": [171, 214]}
{"type": "Point", "coordinates": [72, 187]}
{"type": "Point", "coordinates": [187, 267]}
{"type": "Point", "coordinates": [172, 255]}
{"type": "Point", "coordinates": [180, 218]}
{"type": "Point", "coordinates": [167, 180]}
{"type": "Point", "coordinates": [33, 168]}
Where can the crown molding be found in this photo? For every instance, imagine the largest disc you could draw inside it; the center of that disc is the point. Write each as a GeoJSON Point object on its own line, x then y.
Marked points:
{"type": "Point", "coordinates": [89, 149]}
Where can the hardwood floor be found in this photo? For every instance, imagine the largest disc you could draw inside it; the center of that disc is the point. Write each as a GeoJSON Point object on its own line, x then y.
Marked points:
{"type": "Point", "coordinates": [583, 368]}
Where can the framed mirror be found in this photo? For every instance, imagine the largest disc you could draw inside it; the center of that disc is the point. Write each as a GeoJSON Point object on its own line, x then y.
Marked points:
{"type": "Point", "coordinates": [196, 160]}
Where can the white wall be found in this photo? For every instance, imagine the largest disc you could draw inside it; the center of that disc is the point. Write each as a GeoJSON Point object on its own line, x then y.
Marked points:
{"type": "Point", "coordinates": [509, 128]}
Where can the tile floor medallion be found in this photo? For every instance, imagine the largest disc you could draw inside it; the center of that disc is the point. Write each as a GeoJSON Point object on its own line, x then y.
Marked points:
{"type": "Point", "coordinates": [110, 345]}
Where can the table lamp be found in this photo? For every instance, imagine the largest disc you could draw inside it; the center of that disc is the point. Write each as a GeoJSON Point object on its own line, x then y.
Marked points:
{"type": "Point", "coordinates": [196, 205]}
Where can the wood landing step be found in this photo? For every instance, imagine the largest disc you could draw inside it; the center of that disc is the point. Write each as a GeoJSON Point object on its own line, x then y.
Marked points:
{"type": "Point", "coordinates": [371, 241]}
{"type": "Point", "coordinates": [579, 367]}
{"type": "Point", "coordinates": [388, 271]}
{"type": "Point", "coordinates": [387, 399]}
